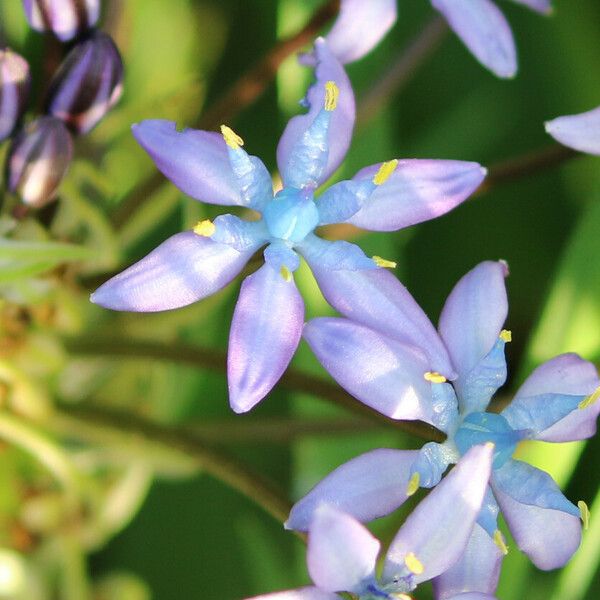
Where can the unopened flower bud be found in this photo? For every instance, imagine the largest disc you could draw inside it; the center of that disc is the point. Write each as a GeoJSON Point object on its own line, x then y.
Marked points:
{"type": "Point", "coordinates": [14, 90]}
{"type": "Point", "coordinates": [65, 18]}
{"type": "Point", "coordinates": [38, 160]}
{"type": "Point", "coordinates": [87, 84]}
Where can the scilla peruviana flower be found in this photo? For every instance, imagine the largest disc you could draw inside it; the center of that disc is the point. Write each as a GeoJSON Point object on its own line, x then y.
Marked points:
{"type": "Point", "coordinates": [268, 318]}
{"type": "Point", "coordinates": [342, 553]}
{"type": "Point", "coordinates": [478, 23]}
{"type": "Point", "coordinates": [393, 374]}
{"type": "Point", "coordinates": [65, 18]}
{"type": "Point", "coordinates": [581, 131]}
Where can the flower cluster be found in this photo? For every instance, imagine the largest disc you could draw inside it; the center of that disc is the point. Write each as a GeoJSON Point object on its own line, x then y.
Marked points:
{"type": "Point", "coordinates": [86, 85]}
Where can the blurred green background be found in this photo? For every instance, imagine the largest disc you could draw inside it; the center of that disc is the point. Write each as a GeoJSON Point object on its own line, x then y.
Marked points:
{"type": "Point", "coordinates": [193, 537]}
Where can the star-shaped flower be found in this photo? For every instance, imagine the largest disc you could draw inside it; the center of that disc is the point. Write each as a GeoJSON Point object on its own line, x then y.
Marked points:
{"type": "Point", "coordinates": [342, 553]}
{"type": "Point", "coordinates": [478, 23]}
{"type": "Point", "coordinates": [269, 314]}
{"type": "Point", "coordinates": [389, 365]}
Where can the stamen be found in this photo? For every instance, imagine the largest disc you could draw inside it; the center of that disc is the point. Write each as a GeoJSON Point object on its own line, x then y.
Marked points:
{"type": "Point", "coordinates": [584, 512]}
{"type": "Point", "coordinates": [434, 377]}
{"type": "Point", "coordinates": [500, 542]}
{"type": "Point", "coordinates": [382, 262]}
{"type": "Point", "coordinates": [285, 273]}
{"type": "Point", "coordinates": [506, 335]}
{"type": "Point", "coordinates": [232, 139]}
{"type": "Point", "coordinates": [385, 171]}
{"type": "Point", "coordinates": [413, 564]}
{"type": "Point", "coordinates": [205, 228]}
{"type": "Point", "coordinates": [589, 400]}
{"type": "Point", "coordinates": [413, 483]}
{"type": "Point", "coordinates": [332, 91]}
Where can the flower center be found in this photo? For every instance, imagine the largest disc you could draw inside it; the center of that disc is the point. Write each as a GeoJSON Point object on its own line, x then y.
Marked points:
{"type": "Point", "coordinates": [292, 214]}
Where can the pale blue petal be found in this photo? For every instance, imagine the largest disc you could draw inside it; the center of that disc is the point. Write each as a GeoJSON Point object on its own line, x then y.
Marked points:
{"type": "Point", "coordinates": [484, 30]}
{"type": "Point", "coordinates": [280, 256]}
{"type": "Point", "coordinates": [488, 515]}
{"type": "Point", "coordinates": [541, 6]}
{"type": "Point", "coordinates": [339, 202]}
{"type": "Point", "coordinates": [438, 529]}
{"type": "Point", "coordinates": [367, 487]}
{"type": "Point", "coordinates": [339, 132]}
{"type": "Point", "coordinates": [445, 407]}
{"type": "Point", "coordinates": [265, 332]}
{"type": "Point", "coordinates": [334, 256]}
{"type": "Point", "coordinates": [307, 593]}
{"type": "Point", "coordinates": [341, 553]}
{"type": "Point", "coordinates": [417, 191]}
{"type": "Point", "coordinates": [380, 371]}
{"type": "Point", "coordinates": [195, 161]}
{"type": "Point", "coordinates": [185, 268]}
{"type": "Point", "coordinates": [375, 298]}
{"type": "Point", "coordinates": [545, 525]}
{"type": "Point", "coordinates": [360, 27]}
{"type": "Point", "coordinates": [475, 575]}
{"type": "Point", "coordinates": [239, 234]}
{"type": "Point", "coordinates": [566, 374]}
{"type": "Point", "coordinates": [473, 316]}
{"type": "Point", "coordinates": [581, 131]}
{"type": "Point", "coordinates": [431, 463]}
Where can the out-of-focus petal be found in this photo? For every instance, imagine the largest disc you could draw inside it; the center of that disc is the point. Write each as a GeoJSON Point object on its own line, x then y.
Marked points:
{"type": "Point", "coordinates": [566, 374]}
{"type": "Point", "coordinates": [581, 131]}
{"type": "Point", "coordinates": [545, 525]}
{"type": "Point", "coordinates": [476, 572]}
{"type": "Point", "coordinates": [195, 161]}
{"type": "Point", "coordinates": [15, 81]}
{"type": "Point", "coordinates": [541, 6]}
{"type": "Point", "coordinates": [417, 190]}
{"type": "Point", "coordinates": [341, 124]}
{"type": "Point", "coordinates": [437, 531]}
{"type": "Point", "coordinates": [473, 315]}
{"type": "Point", "coordinates": [265, 331]}
{"type": "Point", "coordinates": [375, 298]}
{"type": "Point", "coordinates": [307, 593]}
{"type": "Point", "coordinates": [182, 270]}
{"type": "Point", "coordinates": [334, 256]}
{"type": "Point", "coordinates": [341, 553]}
{"type": "Point", "coordinates": [367, 487]}
{"type": "Point", "coordinates": [473, 596]}
{"type": "Point", "coordinates": [484, 30]}
{"type": "Point", "coordinates": [360, 27]}
{"type": "Point", "coordinates": [65, 18]}
{"type": "Point", "coordinates": [380, 371]}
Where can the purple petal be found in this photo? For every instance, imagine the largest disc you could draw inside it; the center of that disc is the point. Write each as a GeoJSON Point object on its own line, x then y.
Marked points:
{"type": "Point", "coordinates": [380, 371]}
{"type": "Point", "coordinates": [375, 298]}
{"type": "Point", "coordinates": [15, 81]}
{"type": "Point", "coordinates": [334, 256]}
{"type": "Point", "coordinates": [417, 191]}
{"type": "Point", "coordinates": [65, 18]}
{"type": "Point", "coordinates": [367, 487]}
{"type": "Point", "coordinates": [545, 525]}
{"type": "Point", "coordinates": [476, 572]}
{"type": "Point", "coordinates": [438, 529]}
{"type": "Point", "coordinates": [341, 553]}
{"type": "Point", "coordinates": [541, 6]}
{"type": "Point", "coordinates": [265, 332]}
{"type": "Point", "coordinates": [472, 596]}
{"type": "Point", "coordinates": [307, 593]}
{"type": "Point", "coordinates": [564, 374]}
{"type": "Point", "coordinates": [182, 270]}
{"type": "Point", "coordinates": [581, 131]}
{"type": "Point", "coordinates": [195, 161]}
{"type": "Point", "coordinates": [359, 27]}
{"type": "Point", "coordinates": [484, 30]}
{"type": "Point", "coordinates": [342, 118]}
{"type": "Point", "coordinates": [473, 315]}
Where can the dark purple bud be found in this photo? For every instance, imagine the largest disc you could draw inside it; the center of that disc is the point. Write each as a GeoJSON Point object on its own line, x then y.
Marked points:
{"type": "Point", "coordinates": [87, 84]}
{"type": "Point", "coordinates": [65, 18]}
{"type": "Point", "coordinates": [38, 160]}
{"type": "Point", "coordinates": [14, 90]}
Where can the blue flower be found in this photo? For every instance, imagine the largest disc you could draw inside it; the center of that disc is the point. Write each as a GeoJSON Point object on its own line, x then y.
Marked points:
{"type": "Point", "coordinates": [269, 314]}
{"type": "Point", "coordinates": [388, 364]}
{"type": "Point", "coordinates": [342, 553]}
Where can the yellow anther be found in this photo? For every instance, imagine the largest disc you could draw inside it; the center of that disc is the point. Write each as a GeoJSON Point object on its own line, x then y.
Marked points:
{"type": "Point", "coordinates": [204, 228]}
{"type": "Point", "coordinates": [385, 171]}
{"type": "Point", "coordinates": [589, 400]}
{"type": "Point", "coordinates": [500, 542]}
{"type": "Point", "coordinates": [434, 377]}
{"type": "Point", "coordinates": [506, 335]}
{"type": "Point", "coordinates": [332, 91]}
{"type": "Point", "coordinates": [232, 139]}
{"type": "Point", "coordinates": [584, 512]}
{"type": "Point", "coordinates": [413, 564]}
{"type": "Point", "coordinates": [285, 273]}
{"type": "Point", "coordinates": [413, 483]}
{"type": "Point", "coordinates": [382, 262]}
